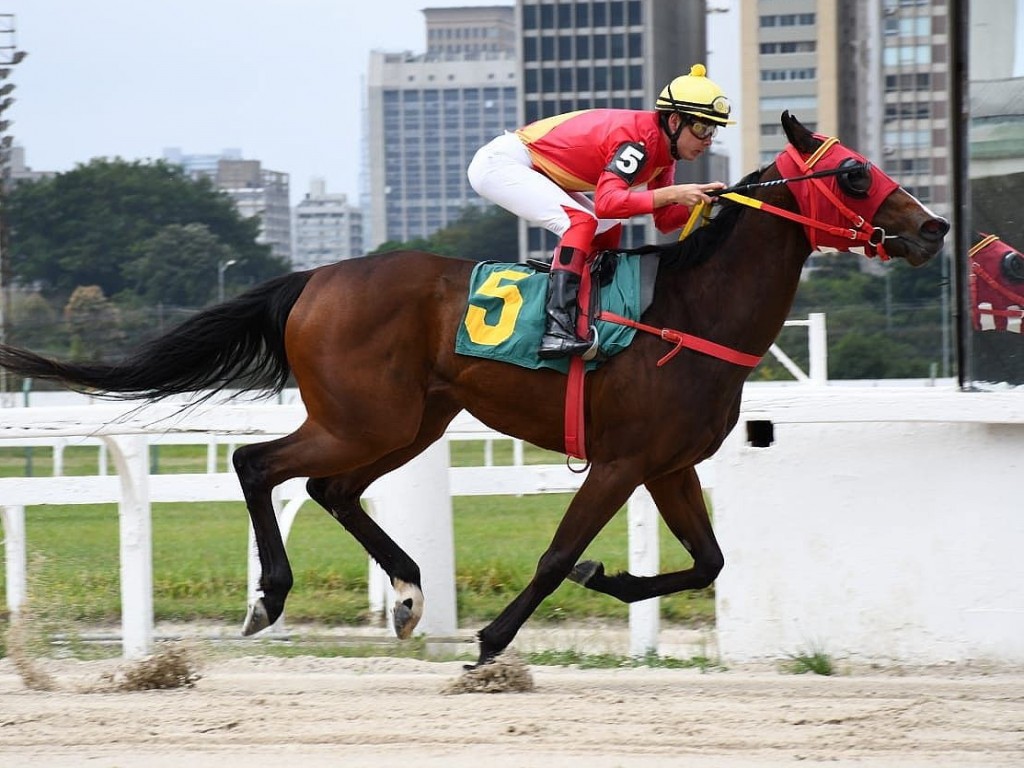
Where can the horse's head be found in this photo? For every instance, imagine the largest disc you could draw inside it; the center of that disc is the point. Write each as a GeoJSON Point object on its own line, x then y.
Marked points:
{"type": "Point", "coordinates": [996, 282]}
{"type": "Point", "coordinates": [859, 207]}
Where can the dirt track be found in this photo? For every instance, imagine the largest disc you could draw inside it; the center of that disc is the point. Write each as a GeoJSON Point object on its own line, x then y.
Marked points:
{"type": "Point", "coordinates": [311, 712]}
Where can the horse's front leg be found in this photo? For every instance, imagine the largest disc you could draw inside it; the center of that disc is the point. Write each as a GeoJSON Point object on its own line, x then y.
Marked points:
{"type": "Point", "coordinates": [680, 501]}
{"type": "Point", "coordinates": [605, 490]}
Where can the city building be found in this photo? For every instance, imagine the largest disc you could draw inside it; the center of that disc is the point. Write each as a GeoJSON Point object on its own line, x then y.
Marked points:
{"type": "Point", "coordinates": [875, 74]}
{"type": "Point", "coordinates": [17, 170]}
{"type": "Point", "coordinates": [326, 228]}
{"type": "Point", "coordinates": [426, 115]}
{"type": "Point", "coordinates": [255, 190]}
{"type": "Point", "coordinates": [618, 54]}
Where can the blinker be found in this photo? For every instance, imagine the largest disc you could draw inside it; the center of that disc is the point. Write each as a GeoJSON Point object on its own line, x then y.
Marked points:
{"type": "Point", "coordinates": [856, 182]}
{"type": "Point", "coordinates": [1012, 266]}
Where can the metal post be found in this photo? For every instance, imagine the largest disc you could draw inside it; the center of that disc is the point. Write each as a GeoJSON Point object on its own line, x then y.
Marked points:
{"type": "Point", "coordinates": [10, 56]}
{"type": "Point", "coordinates": [221, 269]}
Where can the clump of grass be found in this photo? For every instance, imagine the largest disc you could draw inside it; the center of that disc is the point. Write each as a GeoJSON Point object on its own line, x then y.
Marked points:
{"type": "Point", "coordinates": [815, 661]}
{"type": "Point", "coordinates": [506, 674]}
{"type": "Point", "coordinates": [173, 666]}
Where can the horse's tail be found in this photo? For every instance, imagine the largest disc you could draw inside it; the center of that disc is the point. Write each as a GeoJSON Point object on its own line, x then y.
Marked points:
{"type": "Point", "coordinates": [238, 343]}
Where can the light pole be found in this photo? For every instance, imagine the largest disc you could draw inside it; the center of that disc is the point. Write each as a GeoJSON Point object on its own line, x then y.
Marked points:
{"type": "Point", "coordinates": [221, 269]}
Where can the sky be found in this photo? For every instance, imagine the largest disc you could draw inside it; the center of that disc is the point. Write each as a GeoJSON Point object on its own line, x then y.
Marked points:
{"type": "Point", "coordinates": [281, 80]}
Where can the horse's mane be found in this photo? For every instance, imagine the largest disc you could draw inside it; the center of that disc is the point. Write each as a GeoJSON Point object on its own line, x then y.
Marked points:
{"type": "Point", "coordinates": [703, 242]}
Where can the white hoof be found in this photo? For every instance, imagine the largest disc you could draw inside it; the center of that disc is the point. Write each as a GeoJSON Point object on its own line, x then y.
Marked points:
{"type": "Point", "coordinates": [256, 618]}
{"type": "Point", "coordinates": [408, 607]}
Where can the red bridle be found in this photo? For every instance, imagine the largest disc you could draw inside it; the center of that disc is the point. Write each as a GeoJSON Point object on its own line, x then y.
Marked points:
{"type": "Point", "coordinates": [831, 221]}
{"type": "Point", "coordinates": [983, 257]}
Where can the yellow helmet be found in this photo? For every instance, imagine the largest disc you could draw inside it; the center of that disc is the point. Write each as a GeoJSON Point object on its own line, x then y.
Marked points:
{"type": "Point", "coordinates": [695, 94]}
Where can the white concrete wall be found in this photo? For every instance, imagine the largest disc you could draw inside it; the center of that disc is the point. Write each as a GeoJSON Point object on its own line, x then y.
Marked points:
{"type": "Point", "coordinates": [880, 525]}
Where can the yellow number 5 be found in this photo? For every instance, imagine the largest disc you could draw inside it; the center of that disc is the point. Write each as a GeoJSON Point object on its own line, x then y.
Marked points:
{"type": "Point", "coordinates": [512, 302]}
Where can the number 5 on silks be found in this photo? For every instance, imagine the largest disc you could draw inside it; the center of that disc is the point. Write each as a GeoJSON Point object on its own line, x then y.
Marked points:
{"type": "Point", "coordinates": [496, 286]}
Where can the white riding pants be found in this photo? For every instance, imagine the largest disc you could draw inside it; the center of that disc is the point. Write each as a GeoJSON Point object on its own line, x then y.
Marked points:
{"type": "Point", "coordinates": [501, 171]}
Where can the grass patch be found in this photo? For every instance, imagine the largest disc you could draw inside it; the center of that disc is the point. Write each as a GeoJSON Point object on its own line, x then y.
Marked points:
{"type": "Point", "coordinates": [814, 661]}
{"type": "Point", "coordinates": [573, 658]}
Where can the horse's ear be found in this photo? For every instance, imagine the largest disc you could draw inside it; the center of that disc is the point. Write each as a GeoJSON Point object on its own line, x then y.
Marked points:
{"type": "Point", "coordinates": [804, 141]}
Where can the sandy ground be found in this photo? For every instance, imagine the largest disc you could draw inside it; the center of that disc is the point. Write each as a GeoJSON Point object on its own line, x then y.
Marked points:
{"type": "Point", "coordinates": [260, 711]}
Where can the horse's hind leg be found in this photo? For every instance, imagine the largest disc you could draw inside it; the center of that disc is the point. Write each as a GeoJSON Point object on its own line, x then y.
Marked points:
{"type": "Point", "coordinates": [680, 501]}
{"type": "Point", "coordinates": [310, 451]}
{"type": "Point", "coordinates": [335, 494]}
{"type": "Point", "coordinates": [340, 494]}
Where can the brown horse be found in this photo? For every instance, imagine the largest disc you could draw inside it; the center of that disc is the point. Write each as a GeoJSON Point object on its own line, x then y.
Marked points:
{"type": "Point", "coordinates": [371, 345]}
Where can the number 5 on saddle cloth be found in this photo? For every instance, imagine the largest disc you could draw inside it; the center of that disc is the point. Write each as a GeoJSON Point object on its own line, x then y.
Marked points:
{"type": "Point", "coordinates": [504, 317]}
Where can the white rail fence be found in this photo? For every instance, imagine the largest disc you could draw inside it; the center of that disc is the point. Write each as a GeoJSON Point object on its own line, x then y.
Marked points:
{"type": "Point", "coordinates": [128, 434]}
{"type": "Point", "coordinates": [415, 500]}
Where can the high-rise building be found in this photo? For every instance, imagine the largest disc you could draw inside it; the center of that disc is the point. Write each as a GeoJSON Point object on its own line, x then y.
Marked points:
{"type": "Point", "coordinates": [428, 113]}
{"type": "Point", "coordinates": [795, 69]}
{"type": "Point", "coordinates": [606, 53]}
{"type": "Point", "coordinates": [255, 190]}
{"type": "Point", "coordinates": [263, 193]}
{"type": "Point", "coordinates": [326, 228]}
{"type": "Point", "coordinates": [875, 74]}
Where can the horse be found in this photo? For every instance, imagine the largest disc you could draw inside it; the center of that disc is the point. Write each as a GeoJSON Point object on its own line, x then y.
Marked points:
{"type": "Point", "coordinates": [370, 345]}
{"type": "Point", "coordinates": [996, 284]}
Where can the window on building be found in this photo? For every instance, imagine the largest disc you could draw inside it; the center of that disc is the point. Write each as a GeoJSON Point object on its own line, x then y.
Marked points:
{"type": "Point", "coordinates": [634, 11]}
{"type": "Point", "coordinates": [529, 49]}
{"type": "Point", "coordinates": [906, 54]}
{"type": "Point", "coordinates": [636, 45]}
{"type": "Point", "coordinates": [582, 79]}
{"type": "Point", "coordinates": [547, 48]}
{"type": "Point", "coordinates": [547, 17]}
{"type": "Point", "coordinates": [618, 13]}
{"type": "Point", "coordinates": [565, 16]}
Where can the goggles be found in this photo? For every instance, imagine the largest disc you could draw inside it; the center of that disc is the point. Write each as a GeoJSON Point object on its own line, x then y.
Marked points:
{"type": "Point", "coordinates": [701, 129]}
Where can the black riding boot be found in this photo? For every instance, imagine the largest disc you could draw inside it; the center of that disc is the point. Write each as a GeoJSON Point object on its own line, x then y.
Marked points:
{"type": "Point", "coordinates": [560, 339]}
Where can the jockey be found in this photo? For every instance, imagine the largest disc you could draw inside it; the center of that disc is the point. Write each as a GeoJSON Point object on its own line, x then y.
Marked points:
{"type": "Point", "coordinates": [625, 158]}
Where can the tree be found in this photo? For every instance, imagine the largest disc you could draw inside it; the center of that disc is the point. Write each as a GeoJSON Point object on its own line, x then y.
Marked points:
{"type": "Point", "coordinates": [85, 227]}
{"type": "Point", "coordinates": [93, 323]}
{"type": "Point", "coordinates": [176, 265]}
{"type": "Point", "coordinates": [488, 234]}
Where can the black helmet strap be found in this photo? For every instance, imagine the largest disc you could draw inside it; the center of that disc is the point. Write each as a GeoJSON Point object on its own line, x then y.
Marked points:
{"type": "Point", "coordinates": [673, 136]}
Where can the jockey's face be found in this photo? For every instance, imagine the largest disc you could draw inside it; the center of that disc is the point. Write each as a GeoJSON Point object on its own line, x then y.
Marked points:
{"type": "Point", "coordinates": [689, 145]}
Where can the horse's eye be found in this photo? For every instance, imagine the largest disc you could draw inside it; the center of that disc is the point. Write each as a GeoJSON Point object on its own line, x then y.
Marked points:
{"type": "Point", "coordinates": [1013, 266]}
{"type": "Point", "coordinates": [857, 181]}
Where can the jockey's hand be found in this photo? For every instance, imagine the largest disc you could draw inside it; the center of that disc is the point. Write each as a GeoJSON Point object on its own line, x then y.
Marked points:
{"type": "Point", "coordinates": [685, 194]}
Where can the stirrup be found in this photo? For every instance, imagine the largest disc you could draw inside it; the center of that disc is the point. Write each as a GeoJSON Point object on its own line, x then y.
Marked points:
{"type": "Point", "coordinates": [593, 347]}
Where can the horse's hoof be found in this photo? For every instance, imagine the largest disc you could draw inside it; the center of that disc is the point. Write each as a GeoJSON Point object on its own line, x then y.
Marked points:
{"type": "Point", "coordinates": [585, 571]}
{"type": "Point", "coordinates": [408, 608]}
{"type": "Point", "coordinates": [256, 618]}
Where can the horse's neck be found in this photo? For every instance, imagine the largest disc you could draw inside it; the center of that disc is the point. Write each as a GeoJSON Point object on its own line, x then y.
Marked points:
{"type": "Point", "coordinates": [743, 293]}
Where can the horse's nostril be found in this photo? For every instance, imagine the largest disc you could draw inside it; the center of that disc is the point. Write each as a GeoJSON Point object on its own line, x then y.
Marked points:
{"type": "Point", "coordinates": [935, 229]}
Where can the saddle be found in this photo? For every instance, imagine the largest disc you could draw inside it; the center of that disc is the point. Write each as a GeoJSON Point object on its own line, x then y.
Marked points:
{"type": "Point", "coordinates": [504, 318]}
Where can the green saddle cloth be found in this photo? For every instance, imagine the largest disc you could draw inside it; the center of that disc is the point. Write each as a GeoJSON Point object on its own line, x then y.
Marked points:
{"type": "Point", "coordinates": [504, 317]}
